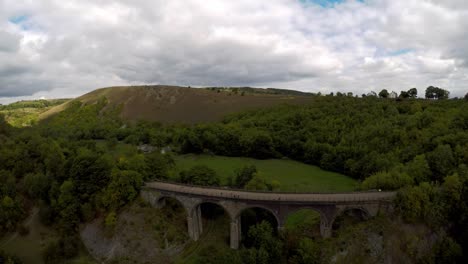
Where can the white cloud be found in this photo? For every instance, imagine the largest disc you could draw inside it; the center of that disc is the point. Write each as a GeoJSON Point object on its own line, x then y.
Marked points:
{"type": "Point", "coordinates": [57, 48]}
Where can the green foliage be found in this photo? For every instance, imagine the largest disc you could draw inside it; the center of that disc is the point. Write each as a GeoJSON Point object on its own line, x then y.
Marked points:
{"type": "Point", "coordinates": [257, 144]}
{"type": "Point", "coordinates": [158, 165]}
{"type": "Point", "coordinates": [36, 185]}
{"type": "Point", "coordinates": [436, 93]}
{"type": "Point", "coordinates": [383, 94]}
{"type": "Point", "coordinates": [266, 248]}
{"type": "Point", "coordinates": [307, 252]}
{"type": "Point", "coordinates": [244, 175]}
{"type": "Point", "coordinates": [7, 184]}
{"type": "Point", "coordinates": [26, 113]}
{"type": "Point", "coordinates": [124, 187]}
{"type": "Point", "coordinates": [404, 95]}
{"type": "Point", "coordinates": [68, 205]}
{"type": "Point", "coordinates": [110, 222]}
{"type": "Point", "coordinates": [90, 172]}
{"type": "Point", "coordinates": [11, 212]}
{"type": "Point", "coordinates": [33, 104]}
{"type": "Point", "coordinates": [388, 180]}
{"type": "Point", "coordinates": [441, 161]}
{"type": "Point", "coordinates": [418, 203]}
{"type": "Point", "coordinates": [260, 183]}
{"type": "Point", "coordinates": [4, 126]}
{"type": "Point", "coordinates": [199, 175]}
{"type": "Point", "coordinates": [413, 92]}
{"type": "Point", "coordinates": [419, 169]}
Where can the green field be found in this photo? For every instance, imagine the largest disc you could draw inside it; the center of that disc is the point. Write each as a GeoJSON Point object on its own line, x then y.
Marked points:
{"type": "Point", "coordinates": [292, 175]}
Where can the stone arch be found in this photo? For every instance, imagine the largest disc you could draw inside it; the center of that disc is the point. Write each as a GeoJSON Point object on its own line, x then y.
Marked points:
{"type": "Point", "coordinates": [199, 203]}
{"type": "Point", "coordinates": [195, 221]}
{"type": "Point", "coordinates": [161, 202]}
{"type": "Point", "coordinates": [359, 213]}
{"type": "Point", "coordinates": [265, 208]}
{"type": "Point", "coordinates": [305, 211]}
{"type": "Point", "coordinates": [243, 222]}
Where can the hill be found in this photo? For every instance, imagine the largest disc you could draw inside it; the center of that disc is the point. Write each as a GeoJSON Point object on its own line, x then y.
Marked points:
{"type": "Point", "coordinates": [26, 113]}
{"type": "Point", "coordinates": [175, 104]}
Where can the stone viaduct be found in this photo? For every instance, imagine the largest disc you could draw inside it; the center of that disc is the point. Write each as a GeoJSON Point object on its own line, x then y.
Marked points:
{"type": "Point", "coordinates": [280, 205]}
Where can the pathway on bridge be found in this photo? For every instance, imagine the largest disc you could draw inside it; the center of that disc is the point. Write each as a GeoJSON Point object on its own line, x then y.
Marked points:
{"type": "Point", "coordinates": [270, 196]}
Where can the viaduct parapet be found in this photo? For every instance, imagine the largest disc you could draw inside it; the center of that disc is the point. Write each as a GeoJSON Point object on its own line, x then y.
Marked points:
{"type": "Point", "coordinates": [280, 205]}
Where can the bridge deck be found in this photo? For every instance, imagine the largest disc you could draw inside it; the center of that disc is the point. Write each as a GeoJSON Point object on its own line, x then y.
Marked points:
{"type": "Point", "coordinates": [269, 196]}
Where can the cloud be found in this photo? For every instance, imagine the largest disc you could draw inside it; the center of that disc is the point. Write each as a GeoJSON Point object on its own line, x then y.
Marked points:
{"type": "Point", "coordinates": [9, 42]}
{"type": "Point", "coordinates": [55, 48]}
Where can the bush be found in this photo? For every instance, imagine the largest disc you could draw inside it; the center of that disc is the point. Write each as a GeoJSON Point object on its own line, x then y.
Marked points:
{"type": "Point", "coordinates": [200, 175]}
{"type": "Point", "coordinates": [244, 175]}
{"type": "Point", "coordinates": [387, 180]}
{"type": "Point", "coordinates": [110, 223]}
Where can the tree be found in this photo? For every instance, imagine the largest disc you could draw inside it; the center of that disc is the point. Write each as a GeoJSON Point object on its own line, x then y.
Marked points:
{"type": "Point", "coordinates": [37, 185]}
{"type": "Point", "coordinates": [123, 188]}
{"type": "Point", "coordinates": [268, 248]}
{"type": "Point", "coordinates": [441, 161]}
{"type": "Point", "coordinates": [200, 175]}
{"type": "Point", "coordinates": [4, 126]}
{"type": "Point", "coordinates": [414, 203]}
{"type": "Point", "coordinates": [90, 173]}
{"type": "Point", "coordinates": [419, 169]}
{"type": "Point", "coordinates": [158, 165]}
{"type": "Point", "coordinates": [244, 175]}
{"type": "Point", "coordinates": [413, 92]}
{"type": "Point", "coordinates": [404, 95]}
{"type": "Point", "coordinates": [11, 213]}
{"type": "Point", "coordinates": [466, 96]}
{"type": "Point", "coordinates": [391, 180]}
{"type": "Point", "coordinates": [68, 205]}
{"type": "Point", "coordinates": [7, 184]}
{"type": "Point", "coordinates": [384, 93]}
{"type": "Point", "coordinates": [436, 93]}
{"type": "Point", "coordinates": [260, 183]}
{"type": "Point", "coordinates": [257, 144]}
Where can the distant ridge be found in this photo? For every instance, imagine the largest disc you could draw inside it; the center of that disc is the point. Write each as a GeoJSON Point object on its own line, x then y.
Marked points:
{"type": "Point", "coordinates": [175, 104]}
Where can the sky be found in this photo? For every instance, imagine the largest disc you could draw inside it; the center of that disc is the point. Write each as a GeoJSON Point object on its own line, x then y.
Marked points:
{"type": "Point", "coordinates": [57, 49]}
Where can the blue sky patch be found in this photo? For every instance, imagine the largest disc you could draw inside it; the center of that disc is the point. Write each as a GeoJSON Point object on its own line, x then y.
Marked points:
{"type": "Point", "coordinates": [21, 20]}
{"type": "Point", "coordinates": [400, 52]}
{"type": "Point", "coordinates": [18, 19]}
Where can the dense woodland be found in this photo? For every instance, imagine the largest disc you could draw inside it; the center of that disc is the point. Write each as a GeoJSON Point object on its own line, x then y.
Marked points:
{"type": "Point", "coordinates": [68, 166]}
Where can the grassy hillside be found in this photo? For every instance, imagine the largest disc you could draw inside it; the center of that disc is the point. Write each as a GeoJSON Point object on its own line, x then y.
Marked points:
{"type": "Point", "coordinates": [173, 104]}
{"type": "Point", "coordinates": [292, 175]}
{"type": "Point", "coordinates": [26, 113]}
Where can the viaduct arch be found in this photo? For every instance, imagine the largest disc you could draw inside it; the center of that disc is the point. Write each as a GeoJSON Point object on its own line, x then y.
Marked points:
{"type": "Point", "coordinates": [234, 202]}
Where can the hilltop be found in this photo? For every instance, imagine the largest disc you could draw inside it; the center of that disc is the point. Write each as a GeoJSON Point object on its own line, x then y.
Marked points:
{"type": "Point", "coordinates": [175, 104]}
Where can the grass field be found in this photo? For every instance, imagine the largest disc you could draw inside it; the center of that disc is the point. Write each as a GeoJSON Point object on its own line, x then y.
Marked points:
{"type": "Point", "coordinates": [292, 175]}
